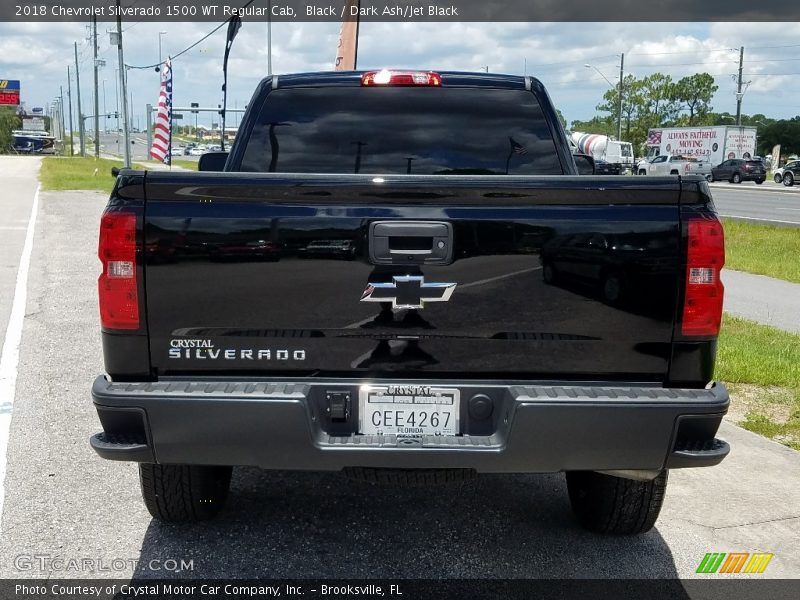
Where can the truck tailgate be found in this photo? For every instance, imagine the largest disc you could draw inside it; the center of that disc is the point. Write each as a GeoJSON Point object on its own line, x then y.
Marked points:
{"type": "Point", "coordinates": [563, 277]}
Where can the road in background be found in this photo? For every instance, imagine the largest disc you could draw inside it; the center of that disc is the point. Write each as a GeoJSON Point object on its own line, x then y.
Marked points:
{"type": "Point", "coordinates": [768, 203]}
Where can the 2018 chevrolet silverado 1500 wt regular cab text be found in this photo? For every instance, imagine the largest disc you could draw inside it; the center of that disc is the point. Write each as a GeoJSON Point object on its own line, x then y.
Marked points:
{"type": "Point", "coordinates": [422, 288]}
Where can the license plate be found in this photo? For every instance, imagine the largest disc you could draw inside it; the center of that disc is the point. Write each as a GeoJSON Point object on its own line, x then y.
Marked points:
{"type": "Point", "coordinates": [408, 410]}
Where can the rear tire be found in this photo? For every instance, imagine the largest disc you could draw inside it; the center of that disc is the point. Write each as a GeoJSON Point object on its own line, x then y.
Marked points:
{"type": "Point", "coordinates": [759, 181]}
{"type": "Point", "coordinates": [642, 172]}
{"type": "Point", "coordinates": [607, 504]}
{"type": "Point", "coordinates": [184, 493]}
{"type": "Point", "coordinates": [777, 178]}
{"type": "Point", "coordinates": [788, 179]}
{"type": "Point", "coordinates": [709, 178]}
{"type": "Point", "coordinates": [736, 178]}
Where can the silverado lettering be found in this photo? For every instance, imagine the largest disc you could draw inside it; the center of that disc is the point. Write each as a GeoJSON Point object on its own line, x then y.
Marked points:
{"type": "Point", "coordinates": [578, 333]}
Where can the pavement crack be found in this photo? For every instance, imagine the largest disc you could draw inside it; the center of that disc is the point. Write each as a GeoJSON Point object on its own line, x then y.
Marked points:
{"type": "Point", "coordinates": [757, 523]}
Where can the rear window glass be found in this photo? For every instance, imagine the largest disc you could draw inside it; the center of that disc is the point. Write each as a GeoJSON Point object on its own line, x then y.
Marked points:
{"type": "Point", "coordinates": [425, 130]}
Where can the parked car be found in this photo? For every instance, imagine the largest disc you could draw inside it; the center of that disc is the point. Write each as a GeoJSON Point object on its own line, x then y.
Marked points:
{"type": "Point", "coordinates": [777, 174]}
{"type": "Point", "coordinates": [737, 170]}
{"type": "Point", "coordinates": [197, 151]}
{"type": "Point", "coordinates": [678, 165]}
{"type": "Point", "coordinates": [791, 173]}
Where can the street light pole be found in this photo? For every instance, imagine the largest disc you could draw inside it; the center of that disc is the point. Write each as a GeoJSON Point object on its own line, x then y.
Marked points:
{"type": "Point", "coordinates": [160, 60]}
{"type": "Point", "coordinates": [619, 108]}
{"type": "Point", "coordinates": [124, 91]}
{"type": "Point", "coordinates": [619, 103]}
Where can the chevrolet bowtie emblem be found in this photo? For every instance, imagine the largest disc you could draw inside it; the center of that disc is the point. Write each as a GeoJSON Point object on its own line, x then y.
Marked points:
{"type": "Point", "coordinates": [408, 291]}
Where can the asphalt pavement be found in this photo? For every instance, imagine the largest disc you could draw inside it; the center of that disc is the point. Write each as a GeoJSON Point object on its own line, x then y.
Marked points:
{"type": "Point", "coordinates": [62, 501]}
{"type": "Point", "coordinates": [768, 203]}
{"type": "Point", "coordinates": [763, 299]}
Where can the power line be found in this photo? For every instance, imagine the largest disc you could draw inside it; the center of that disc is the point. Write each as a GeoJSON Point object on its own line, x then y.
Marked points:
{"type": "Point", "coordinates": [197, 43]}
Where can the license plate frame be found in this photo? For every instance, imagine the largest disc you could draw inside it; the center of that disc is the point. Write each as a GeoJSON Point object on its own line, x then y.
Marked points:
{"type": "Point", "coordinates": [420, 403]}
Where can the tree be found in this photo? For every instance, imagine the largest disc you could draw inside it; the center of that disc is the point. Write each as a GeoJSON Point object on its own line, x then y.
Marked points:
{"type": "Point", "coordinates": [561, 118]}
{"type": "Point", "coordinates": [695, 93]}
{"type": "Point", "coordinates": [9, 121]}
{"type": "Point", "coordinates": [600, 125]}
{"type": "Point", "coordinates": [658, 99]}
{"type": "Point", "coordinates": [631, 102]}
{"type": "Point", "coordinates": [785, 132]}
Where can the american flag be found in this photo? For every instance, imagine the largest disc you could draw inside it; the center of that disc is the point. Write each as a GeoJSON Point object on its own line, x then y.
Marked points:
{"type": "Point", "coordinates": [654, 137]}
{"type": "Point", "coordinates": [516, 147]}
{"type": "Point", "coordinates": [162, 137]}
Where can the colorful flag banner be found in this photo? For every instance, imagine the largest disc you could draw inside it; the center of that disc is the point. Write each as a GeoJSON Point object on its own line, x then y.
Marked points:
{"type": "Point", "coordinates": [162, 136]}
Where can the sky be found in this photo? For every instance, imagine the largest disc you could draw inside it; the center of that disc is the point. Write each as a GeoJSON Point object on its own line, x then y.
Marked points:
{"type": "Point", "coordinates": [38, 54]}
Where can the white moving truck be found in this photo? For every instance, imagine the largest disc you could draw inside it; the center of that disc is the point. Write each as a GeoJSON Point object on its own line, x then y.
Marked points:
{"type": "Point", "coordinates": [712, 144]}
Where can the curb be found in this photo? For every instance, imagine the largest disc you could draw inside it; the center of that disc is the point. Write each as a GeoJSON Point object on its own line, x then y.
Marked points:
{"type": "Point", "coordinates": [761, 188]}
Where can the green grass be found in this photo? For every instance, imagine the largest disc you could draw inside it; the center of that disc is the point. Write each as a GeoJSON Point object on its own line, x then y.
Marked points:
{"type": "Point", "coordinates": [186, 164]}
{"type": "Point", "coordinates": [750, 355]}
{"type": "Point", "coordinates": [78, 173]}
{"type": "Point", "coordinates": [763, 249]}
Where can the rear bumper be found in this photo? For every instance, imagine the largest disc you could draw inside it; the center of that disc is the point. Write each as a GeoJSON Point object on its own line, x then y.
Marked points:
{"type": "Point", "coordinates": [534, 428]}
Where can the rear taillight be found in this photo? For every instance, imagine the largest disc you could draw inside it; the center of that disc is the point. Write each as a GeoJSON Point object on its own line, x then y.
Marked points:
{"type": "Point", "coordinates": [119, 298]}
{"type": "Point", "coordinates": [702, 306]}
{"type": "Point", "coordinates": [386, 77]}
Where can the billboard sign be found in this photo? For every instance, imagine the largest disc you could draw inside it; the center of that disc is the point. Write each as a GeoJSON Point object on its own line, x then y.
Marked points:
{"type": "Point", "coordinates": [33, 124]}
{"type": "Point", "coordinates": [9, 92]}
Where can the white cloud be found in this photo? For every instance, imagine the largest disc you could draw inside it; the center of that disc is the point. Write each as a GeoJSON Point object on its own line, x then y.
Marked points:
{"type": "Point", "coordinates": [38, 54]}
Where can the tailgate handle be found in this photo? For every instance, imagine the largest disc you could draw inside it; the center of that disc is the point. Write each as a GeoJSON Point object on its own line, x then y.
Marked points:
{"type": "Point", "coordinates": [410, 242]}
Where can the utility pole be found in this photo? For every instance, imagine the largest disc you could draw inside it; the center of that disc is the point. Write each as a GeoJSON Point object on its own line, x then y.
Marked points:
{"type": "Point", "coordinates": [96, 95]}
{"type": "Point", "coordinates": [619, 107]}
{"type": "Point", "coordinates": [69, 97]}
{"type": "Point", "coordinates": [80, 113]}
{"type": "Point", "coordinates": [61, 113]}
{"type": "Point", "coordinates": [269, 37]}
{"type": "Point", "coordinates": [739, 88]}
{"type": "Point", "coordinates": [124, 90]}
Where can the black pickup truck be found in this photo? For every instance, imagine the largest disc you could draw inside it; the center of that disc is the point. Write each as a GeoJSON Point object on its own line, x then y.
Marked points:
{"type": "Point", "coordinates": [402, 275]}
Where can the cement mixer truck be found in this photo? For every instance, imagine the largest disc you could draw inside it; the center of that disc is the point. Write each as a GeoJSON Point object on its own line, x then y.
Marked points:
{"type": "Point", "coordinates": [619, 155]}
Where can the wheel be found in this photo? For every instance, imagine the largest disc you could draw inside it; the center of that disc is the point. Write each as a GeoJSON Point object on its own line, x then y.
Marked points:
{"type": "Point", "coordinates": [736, 178]}
{"type": "Point", "coordinates": [184, 493]}
{"type": "Point", "coordinates": [612, 288]}
{"type": "Point", "coordinates": [674, 173]}
{"type": "Point", "coordinates": [607, 504]}
{"type": "Point", "coordinates": [709, 178]}
{"type": "Point", "coordinates": [777, 178]}
{"type": "Point", "coordinates": [759, 181]}
{"type": "Point", "coordinates": [788, 179]}
{"type": "Point", "coordinates": [548, 273]}
{"type": "Point", "coordinates": [642, 172]}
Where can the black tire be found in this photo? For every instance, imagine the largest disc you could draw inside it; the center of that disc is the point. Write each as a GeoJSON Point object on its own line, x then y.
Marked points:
{"type": "Point", "coordinates": [736, 178]}
{"type": "Point", "coordinates": [409, 478]}
{"type": "Point", "coordinates": [674, 173]}
{"type": "Point", "coordinates": [709, 178]}
{"type": "Point", "coordinates": [184, 493]}
{"type": "Point", "coordinates": [642, 172]}
{"type": "Point", "coordinates": [759, 181]}
{"type": "Point", "coordinates": [788, 179]}
{"type": "Point", "coordinates": [607, 504]}
{"type": "Point", "coordinates": [777, 178]}
{"type": "Point", "coordinates": [549, 273]}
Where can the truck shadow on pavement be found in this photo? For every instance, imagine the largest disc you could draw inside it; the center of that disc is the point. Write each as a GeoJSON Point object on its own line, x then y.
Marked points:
{"type": "Point", "coordinates": [281, 524]}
